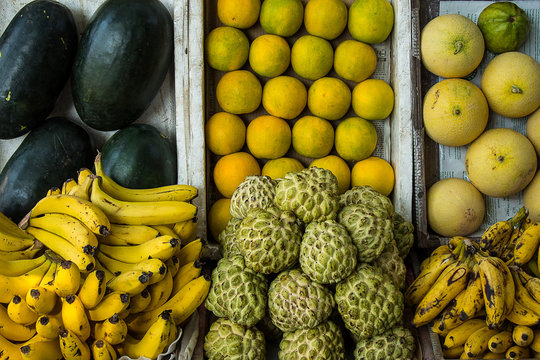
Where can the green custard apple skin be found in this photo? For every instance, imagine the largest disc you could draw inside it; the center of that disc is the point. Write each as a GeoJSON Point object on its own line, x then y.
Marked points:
{"type": "Point", "coordinates": [504, 25]}
{"type": "Point", "coordinates": [370, 228]}
{"type": "Point", "coordinates": [253, 192]}
{"type": "Point", "coordinates": [228, 244]}
{"type": "Point", "coordinates": [269, 240]}
{"type": "Point", "coordinates": [323, 342]}
{"type": "Point", "coordinates": [327, 253]}
{"type": "Point", "coordinates": [237, 292]}
{"type": "Point", "coordinates": [403, 234]}
{"type": "Point", "coordinates": [312, 194]}
{"type": "Point", "coordinates": [393, 265]}
{"type": "Point", "coordinates": [398, 343]}
{"type": "Point", "coordinates": [368, 196]}
{"type": "Point", "coordinates": [295, 302]}
{"type": "Point", "coordinates": [227, 340]}
{"type": "Point", "coordinates": [369, 303]}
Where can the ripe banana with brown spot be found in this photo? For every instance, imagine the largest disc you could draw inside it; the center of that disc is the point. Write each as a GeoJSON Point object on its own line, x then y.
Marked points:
{"type": "Point", "coordinates": [165, 230]}
{"type": "Point", "coordinates": [522, 335]}
{"type": "Point", "coordinates": [131, 282]}
{"type": "Point", "coordinates": [82, 174]}
{"type": "Point", "coordinates": [28, 253]}
{"type": "Point", "coordinates": [88, 213]}
{"type": "Point", "coordinates": [517, 352]}
{"type": "Point", "coordinates": [67, 185]}
{"type": "Point", "coordinates": [458, 335]}
{"type": "Point", "coordinates": [140, 302]}
{"type": "Point", "coordinates": [185, 274]}
{"type": "Point", "coordinates": [450, 283]}
{"type": "Point", "coordinates": [173, 265]}
{"type": "Point", "coordinates": [13, 331]}
{"type": "Point", "coordinates": [11, 240]}
{"type": "Point", "coordinates": [531, 283]}
{"type": "Point", "coordinates": [133, 234]}
{"type": "Point", "coordinates": [48, 280]}
{"type": "Point", "coordinates": [93, 289]}
{"type": "Point", "coordinates": [67, 279]}
{"type": "Point", "coordinates": [474, 298]}
{"type": "Point", "coordinates": [493, 287]}
{"type": "Point", "coordinates": [521, 315]}
{"type": "Point", "coordinates": [62, 247]}
{"type": "Point", "coordinates": [522, 295]}
{"type": "Point", "coordinates": [102, 350]}
{"type": "Point", "coordinates": [535, 344]}
{"type": "Point", "coordinates": [19, 312]}
{"type": "Point", "coordinates": [509, 286]}
{"type": "Point", "coordinates": [191, 252]}
{"type": "Point", "coordinates": [183, 304]}
{"type": "Point", "coordinates": [527, 244]}
{"type": "Point", "coordinates": [74, 317]}
{"type": "Point", "coordinates": [22, 266]}
{"type": "Point", "coordinates": [39, 348]}
{"type": "Point", "coordinates": [186, 230]}
{"type": "Point", "coordinates": [19, 285]}
{"type": "Point", "coordinates": [8, 226]}
{"type": "Point", "coordinates": [160, 292]}
{"type": "Point", "coordinates": [112, 303]}
{"type": "Point", "coordinates": [9, 350]}
{"type": "Point", "coordinates": [477, 342]}
{"type": "Point", "coordinates": [500, 231]}
{"type": "Point", "coordinates": [55, 190]}
{"type": "Point", "coordinates": [162, 247]}
{"type": "Point", "coordinates": [449, 317]}
{"type": "Point", "coordinates": [41, 300]}
{"type": "Point", "coordinates": [453, 353]}
{"type": "Point", "coordinates": [49, 326]}
{"type": "Point", "coordinates": [163, 193]}
{"type": "Point", "coordinates": [72, 347]}
{"type": "Point", "coordinates": [140, 212]}
{"type": "Point", "coordinates": [69, 228]}
{"type": "Point", "coordinates": [82, 191]}
{"type": "Point", "coordinates": [500, 342]}
{"type": "Point", "coordinates": [154, 267]}
{"type": "Point", "coordinates": [113, 330]}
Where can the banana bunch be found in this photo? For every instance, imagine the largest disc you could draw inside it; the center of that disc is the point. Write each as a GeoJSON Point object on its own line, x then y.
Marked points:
{"type": "Point", "coordinates": [97, 271]}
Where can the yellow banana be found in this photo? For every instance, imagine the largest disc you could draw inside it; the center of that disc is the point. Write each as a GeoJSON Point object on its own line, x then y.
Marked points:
{"type": "Point", "coordinates": [527, 244]}
{"type": "Point", "coordinates": [453, 353]}
{"type": "Point", "coordinates": [72, 347]}
{"type": "Point", "coordinates": [113, 330]}
{"type": "Point", "coordinates": [19, 312]}
{"type": "Point", "coordinates": [93, 289]}
{"type": "Point", "coordinates": [74, 317]}
{"type": "Point", "coordinates": [28, 253]}
{"type": "Point", "coordinates": [13, 331]}
{"type": "Point", "coordinates": [173, 265]}
{"type": "Point", "coordinates": [62, 247]}
{"type": "Point", "coordinates": [522, 335]}
{"type": "Point", "coordinates": [535, 344]}
{"type": "Point", "coordinates": [69, 228]}
{"type": "Point", "coordinates": [477, 342]}
{"type": "Point", "coordinates": [9, 227]}
{"type": "Point", "coordinates": [131, 282]}
{"type": "Point", "coordinates": [82, 191]}
{"type": "Point", "coordinates": [185, 274]}
{"type": "Point", "coordinates": [491, 355]}
{"type": "Point", "coordinates": [509, 286]}
{"type": "Point", "coordinates": [112, 240]}
{"type": "Point", "coordinates": [427, 277]}
{"type": "Point", "coordinates": [47, 281]}
{"type": "Point", "coordinates": [474, 298]}
{"type": "Point", "coordinates": [458, 335]}
{"type": "Point", "coordinates": [521, 315]}
{"type": "Point", "coordinates": [438, 326]}
{"type": "Point", "coordinates": [162, 247]}
{"type": "Point", "coordinates": [500, 342]}
{"type": "Point", "coordinates": [154, 267]}
{"type": "Point", "coordinates": [112, 303]}
{"type": "Point", "coordinates": [41, 349]}
{"type": "Point", "coordinates": [88, 213]}
{"type": "Point", "coordinates": [186, 230]}
{"type": "Point", "coordinates": [164, 193]}
{"type": "Point", "coordinates": [140, 302]}
{"type": "Point", "coordinates": [141, 213]}
{"type": "Point", "coordinates": [67, 185]}
{"type": "Point", "coordinates": [82, 174]}
{"type": "Point", "coordinates": [160, 292]}
{"type": "Point", "coordinates": [67, 279]}
{"type": "Point", "coordinates": [493, 287]}
{"type": "Point", "coordinates": [517, 352]}
{"type": "Point", "coordinates": [183, 304]}
{"type": "Point", "coordinates": [14, 241]}
{"type": "Point", "coordinates": [49, 326]}
{"type": "Point", "coordinates": [41, 300]}
{"type": "Point", "coordinates": [102, 350]}
{"type": "Point", "coordinates": [532, 284]}
{"type": "Point", "coordinates": [500, 231]}
{"type": "Point", "coordinates": [133, 234]}
{"type": "Point", "coordinates": [450, 283]}
{"type": "Point", "coordinates": [108, 275]}
{"type": "Point", "coordinates": [19, 267]}
{"type": "Point", "coordinates": [449, 317]}
{"type": "Point", "coordinates": [191, 252]}
{"type": "Point", "coordinates": [19, 285]}
{"type": "Point", "coordinates": [435, 255]}
{"type": "Point", "coordinates": [153, 341]}
{"type": "Point", "coordinates": [165, 230]}
{"type": "Point", "coordinates": [9, 350]}
{"type": "Point", "coordinates": [55, 190]}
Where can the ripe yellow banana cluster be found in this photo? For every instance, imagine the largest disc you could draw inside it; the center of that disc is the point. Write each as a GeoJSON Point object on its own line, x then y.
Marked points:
{"type": "Point", "coordinates": [97, 271]}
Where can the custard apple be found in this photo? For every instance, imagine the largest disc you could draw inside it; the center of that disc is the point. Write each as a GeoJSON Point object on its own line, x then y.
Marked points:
{"type": "Point", "coordinates": [369, 303]}
{"type": "Point", "coordinates": [403, 234]}
{"type": "Point", "coordinates": [397, 343]}
{"type": "Point", "coordinates": [393, 265]}
{"type": "Point", "coordinates": [327, 253]}
{"type": "Point", "coordinates": [312, 194]}
{"type": "Point", "coordinates": [295, 302]}
{"type": "Point", "coordinates": [323, 342]}
{"type": "Point", "coordinates": [269, 240]}
{"type": "Point", "coordinates": [366, 195]}
{"type": "Point", "coordinates": [237, 292]}
{"type": "Point", "coordinates": [370, 229]}
{"type": "Point", "coordinates": [254, 192]}
{"type": "Point", "coordinates": [228, 245]}
{"type": "Point", "coordinates": [227, 340]}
